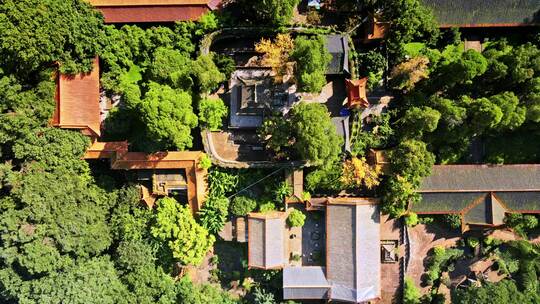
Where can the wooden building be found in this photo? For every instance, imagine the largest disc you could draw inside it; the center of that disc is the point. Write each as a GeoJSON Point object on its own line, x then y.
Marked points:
{"type": "Point", "coordinates": [169, 170]}
{"type": "Point", "coordinates": [356, 93]}
{"type": "Point", "coordinates": [480, 194]}
{"type": "Point", "coordinates": [141, 11]}
{"type": "Point", "coordinates": [77, 102]}
{"type": "Point", "coordinates": [77, 107]}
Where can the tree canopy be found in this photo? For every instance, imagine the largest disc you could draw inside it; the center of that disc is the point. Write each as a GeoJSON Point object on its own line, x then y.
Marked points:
{"type": "Point", "coordinates": [312, 59]}
{"type": "Point", "coordinates": [309, 132]}
{"type": "Point", "coordinates": [175, 225]}
{"type": "Point", "coordinates": [272, 12]}
{"type": "Point", "coordinates": [212, 112]}
{"type": "Point", "coordinates": [37, 33]}
{"type": "Point", "coordinates": [168, 116]}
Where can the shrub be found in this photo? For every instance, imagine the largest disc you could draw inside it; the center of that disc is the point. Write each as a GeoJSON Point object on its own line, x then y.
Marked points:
{"type": "Point", "coordinates": [204, 162]}
{"type": "Point", "coordinates": [411, 294]}
{"type": "Point", "coordinates": [441, 260]}
{"type": "Point", "coordinates": [452, 220]}
{"type": "Point", "coordinates": [242, 205]}
{"type": "Point", "coordinates": [296, 257]}
{"type": "Point", "coordinates": [266, 207]}
{"type": "Point", "coordinates": [296, 218]}
{"type": "Point", "coordinates": [521, 223]}
{"type": "Point", "coordinates": [306, 196]}
{"type": "Point", "coordinates": [411, 219]}
{"type": "Point", "coordinates": [212, 112]}
{"type": "Point", "coordinates": [473, 242]}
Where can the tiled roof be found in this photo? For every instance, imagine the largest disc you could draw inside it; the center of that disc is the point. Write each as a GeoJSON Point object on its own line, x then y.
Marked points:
{"type": "Point", "coordinates": [338, 47]}
{"type": "Point", "coordinates": [520, 201]}
{"type": "Point", "coordinates": [266, 240]}
{"type": "Point", "coordinates": [479, 178]}
{"type": "Point", "coordinates": [121, 159]}
{"type": "Point", "coordinates": [146, 2]}
{"type": "Point", "coordinates": [445, 202]}
{"type": "Point", "coordinates": [353, 251]}
{"type": "Point", "coordinates": [138, 11]}
{"type": "Point", "coordinates": [308, 282]}
{"type": "Point", "coordinates": [476, 13]}
{"type": "Point", "coordinates": [77, 102]}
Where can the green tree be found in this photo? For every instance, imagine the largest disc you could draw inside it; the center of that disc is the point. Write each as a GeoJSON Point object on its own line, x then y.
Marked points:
{"type": "Point", "coordinates": [315, 136]}
{"type": "Point", "coordinates": [309, 132]}
{"type": "Point", "coordinates": [242, 205]}
{"type": "Point", "coordinates": [505, 291]}
{"type": "Point", "coordinates": [419, 120]}
{"type": "Point", "coordinates": [168, 116]}
{"type": "Point", "coordinates": [411, 21]}
{"type": "Point", "coordinates": [262, 296]}
{"type": "Point", "coordinates": [312, 59]}
{"type": "Point", "coordinates": [513, 115]}
{"type": "Point", "coordinates": [296, 218]}
{"type": "Point", "coordinates": [95, 281]}
{"type": "Point", "coordinates": [214, 213]}
{"type": "Point", "coordinates": [206, 74]}
{"type": "Point", "coordinates": [273, 12]}
{"type": "Point", "coordinates": [171, 67]}
{"type": "Point", "coordinates": [411, 294]}
{"type": "Point", "coordinates": [188, 241]}
{"type": "Point", "coordinates": [483, 113]}
{"type": "Point", "coordinates": [189, 293]}
{"type": "Point", "coordinates": [146, 282]}
{"type": "Point", "coordinates": [521, 223]}
{"type": "Point", "coordinates": [212, 112]}
{"type": "Point", "coordinates": [36, 33]}
{"type": "Point", "coordinates": [412, 160]}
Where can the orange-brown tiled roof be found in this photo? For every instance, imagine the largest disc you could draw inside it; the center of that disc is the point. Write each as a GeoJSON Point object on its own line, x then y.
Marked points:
{"type": "Point", "coordinates": [137, 11]}
{"type": "Point", "coordinates": [356, 93]}
{"type": "Point", "coordinates": [77, 102]}
{"type": "Point", "coordinates": [146, 2]}
{"type": "Point", "coordinates": [121, 159]}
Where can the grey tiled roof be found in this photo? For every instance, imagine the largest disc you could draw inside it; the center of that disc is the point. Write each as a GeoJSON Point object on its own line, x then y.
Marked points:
{"type": "Point", "coordinates": [478, 207]}
{"type": "Point", "coordinates": [445, 201]}
{"type": "Point", "coordinates": [479, 214]}
{"type": "Point", "coordinates": [520, 201]}
{"type": "Point", "coordinates": [305, 283]}
{"type": "Point", "coordinates": [470, 178]}
{"type": "Point", "coordinates": [338, 47]}
{"type": "Point", "coordinates": [266, 241]}
{"type": "Point", "coordinates": [353, 252]}
{"type": "Point", "coordinates": [484, 12]}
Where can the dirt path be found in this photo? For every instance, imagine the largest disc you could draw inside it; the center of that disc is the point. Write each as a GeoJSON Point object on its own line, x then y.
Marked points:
{"type": "Point", "coordinates": [422, 239]}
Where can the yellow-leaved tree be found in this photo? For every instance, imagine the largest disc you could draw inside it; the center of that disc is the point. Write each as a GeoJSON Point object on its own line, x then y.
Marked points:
{"type": "Point", "coordinates": [276, 55]}
{"type": "Point", "coordinates": [358, 173]}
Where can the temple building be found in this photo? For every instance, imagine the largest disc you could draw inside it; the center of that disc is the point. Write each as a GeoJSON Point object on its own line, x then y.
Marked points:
{"type": "Point", "coordinates": [341, 252]}
{"type": "Point", "coordinates": [480, 194]}
{"type": "Point", "coordinates": [141, 11]}
{"type": "Point", "coordinates": [160, 173]}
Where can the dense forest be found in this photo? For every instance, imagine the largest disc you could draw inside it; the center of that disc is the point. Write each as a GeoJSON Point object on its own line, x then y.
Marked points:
{"type": "Point", "coordinates": [75, 232]}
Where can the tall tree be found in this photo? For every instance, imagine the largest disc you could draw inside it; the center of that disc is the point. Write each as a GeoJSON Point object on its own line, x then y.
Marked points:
{"type": "Point", "coordinates": [36, 33]}
{"type": "Point", "coordinates": [186, 239]}
{"type": "Point", "coordinates": [312, 59]}
{"type": "Point", "coordinates": [212, 112]}
{"type": "Point", "coordinates": [309, 132]}
{"type": "Point", "coordinates": [276, 54]}
{"type": "Point", "coordinates": [168, 116]}
{"type": "Point", "coordinates": [272, 12]}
